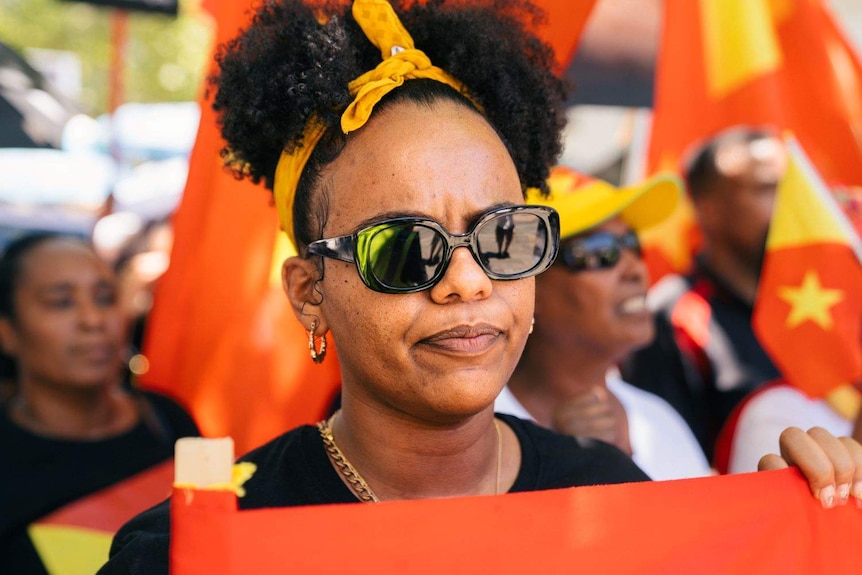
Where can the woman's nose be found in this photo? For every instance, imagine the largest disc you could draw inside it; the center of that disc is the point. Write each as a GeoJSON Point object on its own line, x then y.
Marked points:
{"type": "Point", "coordinates": [464, 280]}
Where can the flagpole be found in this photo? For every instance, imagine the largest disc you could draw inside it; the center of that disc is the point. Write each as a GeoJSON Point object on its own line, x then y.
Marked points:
{"type": "Point", "coordinates": [116, 84]}
{"type": "Point", "coordinates": [634, 168]}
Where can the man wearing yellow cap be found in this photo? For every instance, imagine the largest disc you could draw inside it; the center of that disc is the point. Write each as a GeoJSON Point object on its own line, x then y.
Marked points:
{"type": "Point", "coordinates": [590, 313]}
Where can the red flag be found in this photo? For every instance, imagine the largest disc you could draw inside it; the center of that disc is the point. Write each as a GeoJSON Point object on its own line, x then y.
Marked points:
{"type": "Point", "coordinates": [76, 538]}
{"type": "Point", "coordinates": [757, 62]}
{"type": "Point", "coordinates": [749, 523]}
{"type": "Point", "coordinates": [221, 337]}
{"type": "Point", "coordinates": [565, 23]}
{"type": "Point", "coordinates": [808, 312]}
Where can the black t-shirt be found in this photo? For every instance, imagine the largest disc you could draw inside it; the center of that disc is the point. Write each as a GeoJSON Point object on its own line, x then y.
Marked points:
{"type": "Point", "coordinates": [38, 475]}
{"type": "Point", "coordinates": [294, 470]}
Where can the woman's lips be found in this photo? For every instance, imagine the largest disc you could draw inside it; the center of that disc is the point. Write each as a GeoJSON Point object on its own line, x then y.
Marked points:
{"type": "Point", "coordinates": [464, 339]}
{"type": "Point", "coordinates": [96, 353]}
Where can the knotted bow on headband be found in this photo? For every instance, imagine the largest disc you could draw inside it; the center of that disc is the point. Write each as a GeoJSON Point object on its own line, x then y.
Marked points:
{"type": "Point", "coordinates": [401, 61]}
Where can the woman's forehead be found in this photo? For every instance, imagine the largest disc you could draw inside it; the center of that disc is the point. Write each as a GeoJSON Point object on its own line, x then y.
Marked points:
{"type": "Point", "coordinates": [442, 160]}
{"type": "Point", "coordinates": [61, 261]}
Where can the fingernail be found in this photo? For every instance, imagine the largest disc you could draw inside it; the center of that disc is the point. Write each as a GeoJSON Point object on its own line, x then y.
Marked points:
{"type": "Point", "coordinates": [857, 493]}
{"type": "Point", "coordinates": [827, 497]}
{"type": "Point", "coordinates": [843, 493]}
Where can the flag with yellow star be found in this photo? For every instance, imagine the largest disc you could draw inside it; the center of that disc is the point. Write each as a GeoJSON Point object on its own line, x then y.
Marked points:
{"type": "Point", "coordinates": [808, 313]}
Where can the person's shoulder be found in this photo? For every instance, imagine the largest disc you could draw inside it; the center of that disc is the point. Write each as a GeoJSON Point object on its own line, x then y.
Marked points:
{"type": "Point", "coordinates": [780, 404]}
{"type": "Point", "coordinates": [296, 457]}
{"type": "Point", "coordinates": [550, 460]}
{"type": "Point", "coordinates": [779, 394]}
{"type": "Point", "coordinates": [170, 414]}
{"type": "Point", "coordinates": [282, 446]}
{"type": "Point", "coordinates": [142, 545]}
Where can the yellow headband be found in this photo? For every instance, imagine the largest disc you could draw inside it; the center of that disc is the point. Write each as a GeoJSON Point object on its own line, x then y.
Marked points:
{"type": "Point", "coordinates": [401, 61]}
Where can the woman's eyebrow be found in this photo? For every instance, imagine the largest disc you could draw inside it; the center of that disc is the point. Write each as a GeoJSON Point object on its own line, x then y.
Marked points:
{"type": "Point", "coordinates": [377, 218]}
{"type": "Point", "coordinates": [382, 216]}
{"type": "Point", "coordinates": [55, 289]}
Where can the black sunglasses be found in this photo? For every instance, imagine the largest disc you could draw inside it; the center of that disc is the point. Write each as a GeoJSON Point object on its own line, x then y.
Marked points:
{"type": "Point", "coordinates": [409, 254]}
{"type": "Point", "coordinates": [601, 250]}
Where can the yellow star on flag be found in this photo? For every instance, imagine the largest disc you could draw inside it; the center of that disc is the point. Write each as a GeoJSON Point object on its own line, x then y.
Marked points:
{"type": "Point", "coordinates": [810, 301]}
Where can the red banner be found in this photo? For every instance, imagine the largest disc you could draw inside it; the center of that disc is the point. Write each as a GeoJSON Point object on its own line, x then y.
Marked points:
{"type": "Point", "coordinates": [764, 522]}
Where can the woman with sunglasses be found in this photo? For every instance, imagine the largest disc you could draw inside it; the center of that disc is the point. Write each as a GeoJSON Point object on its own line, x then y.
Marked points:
{"type": "Point", "coordinates": [590, 313]}
{"type": "Point", "coordinates": [380, 133]}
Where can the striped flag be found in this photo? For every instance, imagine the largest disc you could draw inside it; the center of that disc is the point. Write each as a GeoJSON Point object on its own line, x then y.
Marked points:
{"type": "Point", "coordinates": [781, 63]}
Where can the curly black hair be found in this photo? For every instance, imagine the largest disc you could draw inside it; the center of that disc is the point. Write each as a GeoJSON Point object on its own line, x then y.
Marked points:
{"type": "Point", "coordinates": [291, 64]}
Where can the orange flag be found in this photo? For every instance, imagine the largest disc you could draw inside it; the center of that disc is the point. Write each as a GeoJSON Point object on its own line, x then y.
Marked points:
{"type": "Point", "coordinates": [221, 337]}
{"type": "Point", "coordinates": [808, 312]}
{"type": "Point", "coordinates": [565, 23]}
{"type": "Point", "coordinates": [783, 63]}
{"type": "Point", "coordinates": [764, 522]}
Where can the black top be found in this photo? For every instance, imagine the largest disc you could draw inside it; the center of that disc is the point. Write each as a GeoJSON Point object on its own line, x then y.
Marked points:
{"type": "Point", "coordinates": [705, 356]}
{"type": "Point", "coordinates": [294, 470]}
{"type": "Point", "coordinates": [39, 475]}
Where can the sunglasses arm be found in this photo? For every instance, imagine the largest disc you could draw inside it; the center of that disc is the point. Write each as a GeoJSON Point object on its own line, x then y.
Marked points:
{"type": "Point", "coordinates": [340, 248]}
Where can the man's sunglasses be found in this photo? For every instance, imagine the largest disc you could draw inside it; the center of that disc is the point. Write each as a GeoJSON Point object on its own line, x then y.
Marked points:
{"type": "Point", "coordinates": [601, 250]}
{"type": "Point", "coordinates": [410, 254]}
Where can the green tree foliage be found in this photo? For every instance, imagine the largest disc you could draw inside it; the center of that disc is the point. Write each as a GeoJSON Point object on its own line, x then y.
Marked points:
{"type": "Point", "coordinates": [166, 57]}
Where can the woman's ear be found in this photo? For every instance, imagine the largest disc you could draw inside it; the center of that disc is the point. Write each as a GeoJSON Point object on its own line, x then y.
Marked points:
{"type": "Point", "coordinates": [299, 278]}
{"type": "Point", "coordinates": [8, 337]}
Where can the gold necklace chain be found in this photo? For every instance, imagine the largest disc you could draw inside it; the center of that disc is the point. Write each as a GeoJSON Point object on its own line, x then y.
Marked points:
{"type": "Point", "coordinates": [354, 479]}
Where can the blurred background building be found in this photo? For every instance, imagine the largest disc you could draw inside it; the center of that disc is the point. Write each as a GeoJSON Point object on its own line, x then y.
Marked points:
{"type": "Point", "coordinates": [98, 112]}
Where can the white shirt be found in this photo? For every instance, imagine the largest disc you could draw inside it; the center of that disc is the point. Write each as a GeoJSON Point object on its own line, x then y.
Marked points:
{"type": "Point", "coordinates": [662, 443]}
{"type": "Point", "coordinates": [771, 411]}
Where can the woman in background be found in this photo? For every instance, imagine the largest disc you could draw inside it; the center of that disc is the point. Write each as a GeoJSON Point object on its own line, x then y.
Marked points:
{"type": "Point", "coordinates": [591, 313]}
{"type": "Point", "coordinates": [68, 428]}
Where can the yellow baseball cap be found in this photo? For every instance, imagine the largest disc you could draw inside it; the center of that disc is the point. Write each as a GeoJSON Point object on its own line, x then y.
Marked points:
{"type": "Point", "coordinates": [584, 202]}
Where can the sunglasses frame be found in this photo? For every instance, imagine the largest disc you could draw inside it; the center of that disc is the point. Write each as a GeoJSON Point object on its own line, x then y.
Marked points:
{"type": "Point", "coordinates": [628, 240]}
{"type": "Point", "coordinates": [343, 248]}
